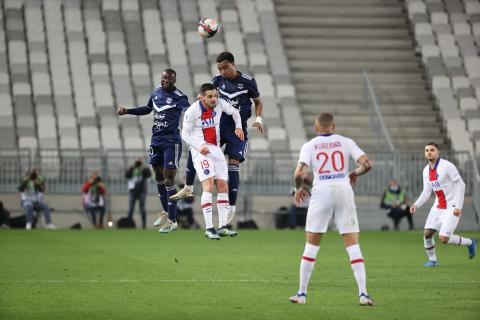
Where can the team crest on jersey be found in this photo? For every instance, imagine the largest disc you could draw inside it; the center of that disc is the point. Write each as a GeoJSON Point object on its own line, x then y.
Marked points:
{"type": "Point", "coordinates": [240, 86]}
{"type": "Point", "coordinates": [169, 100]}
{"type": "Point", "coordinates": [206, 172]}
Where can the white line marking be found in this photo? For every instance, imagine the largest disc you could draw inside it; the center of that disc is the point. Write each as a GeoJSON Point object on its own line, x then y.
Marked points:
{"type": "Point", "coordinates": [226, 281]}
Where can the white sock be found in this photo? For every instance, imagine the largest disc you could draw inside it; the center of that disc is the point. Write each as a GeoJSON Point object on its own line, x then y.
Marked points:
{"type": "Point", "coordinates": [233, 209]}
{"type": "Point", "coordinates": [189, 188]}
{"type": "Point", "coordinates": [223, 207]}
{"type": "Point", "coordinates": [460, 241]}
{"type": "Point", "coordinates": [358, 267]}
{"type": "Point", "coordinates": [306, 266]}
{"type": "Point", "coordinates": [429, 245]}
{"type": "Point", "coordinates": [206, 203]}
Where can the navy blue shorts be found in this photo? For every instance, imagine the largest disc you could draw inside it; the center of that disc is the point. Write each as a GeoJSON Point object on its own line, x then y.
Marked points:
{"type": "Point", "coordinates": [166, 156]}
{"type": "Point", "coordinates": [234, 147]}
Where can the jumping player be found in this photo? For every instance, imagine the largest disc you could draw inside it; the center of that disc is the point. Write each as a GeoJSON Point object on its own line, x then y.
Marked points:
{"type": "Point", "coordinates": [167, 104]}
{"type": "Point", "coordinates": [239, 90]}
{"type": "Point", "coordinates": [201, 131]}
{"type": "Point", "coordinates": [443, 178]}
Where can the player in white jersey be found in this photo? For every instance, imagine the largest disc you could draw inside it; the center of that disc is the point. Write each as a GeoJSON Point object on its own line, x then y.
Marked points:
{"type": "Point", "coordinates": [328, 156]}
{"type": "Point", "coordinates": [201, 130]}
{"type": "Point", "coordinates": [443, 178]}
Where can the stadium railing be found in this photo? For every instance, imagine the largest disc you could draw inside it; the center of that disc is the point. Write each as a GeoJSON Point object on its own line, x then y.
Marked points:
{"type": "Point", "coordinates": [376, 118]}
{"type": "Point", "coordinates": [261, 174]}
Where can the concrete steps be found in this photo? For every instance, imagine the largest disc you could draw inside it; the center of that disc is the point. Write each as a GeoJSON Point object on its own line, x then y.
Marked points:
{"type": "Point", "coordinates": [329, 43]}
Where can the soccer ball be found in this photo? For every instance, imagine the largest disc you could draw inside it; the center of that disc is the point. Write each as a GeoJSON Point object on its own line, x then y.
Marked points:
{"type": "Point", "coordinates": [207, 27]}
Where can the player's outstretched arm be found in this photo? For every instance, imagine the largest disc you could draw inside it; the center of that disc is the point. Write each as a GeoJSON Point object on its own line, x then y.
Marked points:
{"type": "Point", "coordinates": [140, 111]}
{"type": "Point", "coordinates": [258, 112]}
{"type": "Point", "coordinates": [427, 191]}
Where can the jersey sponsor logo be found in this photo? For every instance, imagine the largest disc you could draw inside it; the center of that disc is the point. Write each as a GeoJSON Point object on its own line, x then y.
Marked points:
{"type": "Point", "coordinates": [331, 176]}
{"type": "Point", "coordinates": [208, 122]}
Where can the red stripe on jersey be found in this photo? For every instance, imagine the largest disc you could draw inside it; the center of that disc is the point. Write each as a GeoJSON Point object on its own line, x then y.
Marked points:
{"type": "Point", "coordinates": [308, 259]}
{"type": "Point", "coordinates": [222, 201]}
{"type": "Point", "coordinates": [356, 261]}
{"type": "Point", "coordinates": [442, 202]}
{"type": "Point", "coordinates": [206, 205]}
{"type": "Point", "coordinates": [210, 132]}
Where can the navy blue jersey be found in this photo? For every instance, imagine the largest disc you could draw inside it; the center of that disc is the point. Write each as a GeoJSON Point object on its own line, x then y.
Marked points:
{"type": "Point", "coordinates": [167, 107]}
{"type": "Point", "coordinates": [238, 92]}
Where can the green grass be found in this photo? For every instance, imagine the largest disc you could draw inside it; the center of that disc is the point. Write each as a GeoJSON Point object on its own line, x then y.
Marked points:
{"type": "Point", "coordinates": [115, 274]}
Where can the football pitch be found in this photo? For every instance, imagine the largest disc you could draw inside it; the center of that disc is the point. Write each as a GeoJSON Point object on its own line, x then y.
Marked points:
{"type": "Point", "coordinates": [135, 274]}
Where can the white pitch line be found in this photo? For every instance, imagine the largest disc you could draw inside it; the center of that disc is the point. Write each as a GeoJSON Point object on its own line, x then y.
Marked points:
{"type": "Point", "coordinates": [224, 281]}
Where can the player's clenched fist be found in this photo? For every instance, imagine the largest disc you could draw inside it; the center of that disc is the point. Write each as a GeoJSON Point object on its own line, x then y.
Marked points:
{"type": "Point", "coordinates": [121, 111]}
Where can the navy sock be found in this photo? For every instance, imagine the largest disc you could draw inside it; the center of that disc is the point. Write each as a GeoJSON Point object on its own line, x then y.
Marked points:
{"type": "Point", "coordinates": [190, 172]}
{"type": "Point", "coordinates": [172, 205]}
{"type": "Point", "coordinates": [162, 193]}
{"type": "Point", "coordinates": [233, 183]}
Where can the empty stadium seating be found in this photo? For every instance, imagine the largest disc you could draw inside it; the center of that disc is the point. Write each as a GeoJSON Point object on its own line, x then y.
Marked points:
{"type": "Point", "coordinates": [330, 43]}
{"type": "Point", "coordinates": [447, 35]}
{"type": "Point", "coordinates": [67, 64]}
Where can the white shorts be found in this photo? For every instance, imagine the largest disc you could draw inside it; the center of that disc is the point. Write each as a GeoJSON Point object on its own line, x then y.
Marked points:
{"type": "Point", "coordinates": [212, 165]}
{"type": "Point", "coordinates": [443, 220]}
{"type": "Point", "coordinates": [332, 200]}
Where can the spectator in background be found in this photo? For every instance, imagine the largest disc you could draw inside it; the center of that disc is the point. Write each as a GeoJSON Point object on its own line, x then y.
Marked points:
{"type": "Point", "coordinates": [32, 191]}
{"type": "Point", "coordinates": [395, 201]}
{"type": "Point", "coordinates": [4, 217]}
{"type": "Point", "coordinates": [94, 192]}
{"type": "Point", "coordinates": [137, 176]}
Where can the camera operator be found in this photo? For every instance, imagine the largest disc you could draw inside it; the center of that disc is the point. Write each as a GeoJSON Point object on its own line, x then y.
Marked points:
{"type": "Point", "coordinates": [94, 199]}
{"type": "Point", "coordinates": [137, 176]}
{"type": "Point", "coordinates": [32, 191]}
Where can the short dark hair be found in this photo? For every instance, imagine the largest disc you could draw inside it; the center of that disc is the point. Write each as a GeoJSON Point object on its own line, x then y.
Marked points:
{"type": "Point", "coordinates": [206, 87]}
{"type": "Point", "coordinates": [325, 119]}
{"type": "Point", "coordinates": [225, 56]}
{"type": "Point", "coordinates": [170, 71]}
{"type": "Point", "coordinates": [432, 144]}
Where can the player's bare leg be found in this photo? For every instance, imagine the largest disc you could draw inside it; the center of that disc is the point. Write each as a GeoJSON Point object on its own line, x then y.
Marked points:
{"type": "Point", "coordinates": [306, 266]}
{"type": "Point", "coordinates": [429, 245]}
{"type": "Point", "coordinates": [358, 266]}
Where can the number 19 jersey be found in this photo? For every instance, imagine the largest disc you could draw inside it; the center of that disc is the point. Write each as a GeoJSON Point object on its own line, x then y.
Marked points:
{"type": "Point", "coordinates": [328, 156]}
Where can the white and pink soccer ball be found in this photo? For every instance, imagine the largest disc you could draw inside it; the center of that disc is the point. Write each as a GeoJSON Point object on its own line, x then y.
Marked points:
{"type": "Point", "coordinates": [207, 27]}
